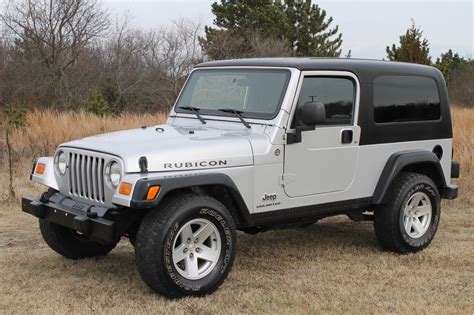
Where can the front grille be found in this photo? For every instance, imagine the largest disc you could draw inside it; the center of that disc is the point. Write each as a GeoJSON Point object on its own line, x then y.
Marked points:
{"type": "Point", "coordinates": [86, 176]}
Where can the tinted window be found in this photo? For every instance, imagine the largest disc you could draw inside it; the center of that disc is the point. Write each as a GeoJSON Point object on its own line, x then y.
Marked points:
{"type": "Point", "coordinates": [257, 93]}
{"type": "Point", "coordinates": [336, 93]}
{"type": "Point", "coordinates": [405, 98]}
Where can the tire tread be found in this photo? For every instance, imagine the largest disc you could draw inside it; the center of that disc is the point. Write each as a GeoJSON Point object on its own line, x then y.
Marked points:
{"type": "Point", "coordinates": [61, 241]}
{"type": "Point", "coordinates": [146, 243]}
{"type": "Point", "coordinates": [386, 218]}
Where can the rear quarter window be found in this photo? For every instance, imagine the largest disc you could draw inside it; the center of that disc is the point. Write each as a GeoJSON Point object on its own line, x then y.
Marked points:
{"type": "Point", "coordinates": [405, 98]}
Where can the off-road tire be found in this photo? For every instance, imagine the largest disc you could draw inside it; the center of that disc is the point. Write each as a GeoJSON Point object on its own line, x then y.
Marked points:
{"type": "Point", "coordinates": [388, 219]}
{"type": "Point", "coordinates": [307, 224]}
{"type": "Point", "coordinates": [132, 239]}
{"type": "Point", "coordinates": [154, 245]}
{"type": "Point", "coordinates": [69, 243]}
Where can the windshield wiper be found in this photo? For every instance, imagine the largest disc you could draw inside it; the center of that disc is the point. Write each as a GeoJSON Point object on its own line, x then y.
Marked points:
{"type": "Point", "coordinates": [194, 110]}
{"type": "Point", "coordinates": [237, 113]}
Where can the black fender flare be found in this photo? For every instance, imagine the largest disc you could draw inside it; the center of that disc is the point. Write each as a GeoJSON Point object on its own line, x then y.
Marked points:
{"type": "Point", "coordinates": [396, 163]}
{"type": "Point", "coordinates": [169, 183]}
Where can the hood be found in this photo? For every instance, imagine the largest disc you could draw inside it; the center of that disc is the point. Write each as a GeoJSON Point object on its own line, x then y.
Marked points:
{"type": "Point", "coordinates": [174, 148]}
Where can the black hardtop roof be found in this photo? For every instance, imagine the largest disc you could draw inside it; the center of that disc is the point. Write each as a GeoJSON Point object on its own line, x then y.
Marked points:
{"type": "Point", "coordinates": [363, 68]}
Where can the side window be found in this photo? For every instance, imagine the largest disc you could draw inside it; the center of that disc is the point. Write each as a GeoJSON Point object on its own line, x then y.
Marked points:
{"type": "Point", "coordinates": [405, 98]}
{"type": "Point", "coordinates": [336, 93]}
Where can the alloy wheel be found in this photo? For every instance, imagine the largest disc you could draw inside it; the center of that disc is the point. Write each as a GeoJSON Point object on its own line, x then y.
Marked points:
{"type": "Point", "coordinates": [196, 249]}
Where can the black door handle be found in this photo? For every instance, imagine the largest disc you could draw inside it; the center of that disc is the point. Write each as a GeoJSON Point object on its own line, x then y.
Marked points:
{"type": "Point", "coordinates": [346, 136]}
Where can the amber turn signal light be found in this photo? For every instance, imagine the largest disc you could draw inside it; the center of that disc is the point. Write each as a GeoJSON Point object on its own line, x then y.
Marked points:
{"type": "Point", "coordinates": [152, 192]}
{"type": "Point", "coordinates": [125, 189]}
{"type": "Point", "coordinates": [40, 168]}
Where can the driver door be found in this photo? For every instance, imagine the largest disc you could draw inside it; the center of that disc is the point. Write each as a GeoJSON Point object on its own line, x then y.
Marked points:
{"type": "Point", "coordinates": [325, 160]}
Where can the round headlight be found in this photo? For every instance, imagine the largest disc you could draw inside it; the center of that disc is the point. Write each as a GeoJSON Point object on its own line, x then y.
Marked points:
{"type": "Point", "coordinates": [113, 173]}
{"type": "Point", "coordinates": [60, 161]}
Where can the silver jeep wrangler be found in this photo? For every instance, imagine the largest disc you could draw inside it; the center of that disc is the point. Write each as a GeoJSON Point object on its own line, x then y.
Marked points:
{"type": "Point", "coordinates": [252, 145]}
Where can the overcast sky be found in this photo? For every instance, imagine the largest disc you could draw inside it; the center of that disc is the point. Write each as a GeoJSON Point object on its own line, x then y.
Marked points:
{"type": "Point", "coordinates": [367, 26]}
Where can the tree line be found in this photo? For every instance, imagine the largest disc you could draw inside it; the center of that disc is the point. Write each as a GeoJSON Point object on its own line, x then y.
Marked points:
{"type": "Point", "coordinates": [70, 54]}
{"type": "Point", "coordinates": [458, 71]}
{"type": "Point", "coordinates": [67, 53]}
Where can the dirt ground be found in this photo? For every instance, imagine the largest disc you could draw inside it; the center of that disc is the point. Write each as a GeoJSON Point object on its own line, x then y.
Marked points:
{"type": "Point", "coordinates": [334, 266]}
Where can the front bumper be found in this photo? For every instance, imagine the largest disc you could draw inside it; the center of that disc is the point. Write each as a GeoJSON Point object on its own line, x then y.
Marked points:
{"type": "Point", "coordinates": [100, 224]}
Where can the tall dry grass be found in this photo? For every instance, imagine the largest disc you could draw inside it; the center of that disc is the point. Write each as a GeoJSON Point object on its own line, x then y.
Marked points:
{"type": "Point", "coordinates": [47, 129]}
{"type": "Point", "coordinates": [463, 128]}
{"type": "Point", "coordinates": [463, 125]}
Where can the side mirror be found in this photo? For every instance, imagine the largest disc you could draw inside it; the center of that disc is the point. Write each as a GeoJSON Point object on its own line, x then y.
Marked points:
{"type": "Point", "coordinates": [313, 113]}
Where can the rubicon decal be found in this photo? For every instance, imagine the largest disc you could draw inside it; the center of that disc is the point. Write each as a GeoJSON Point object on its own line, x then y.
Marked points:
{"type": "Point", "coordinates": [180, 165]}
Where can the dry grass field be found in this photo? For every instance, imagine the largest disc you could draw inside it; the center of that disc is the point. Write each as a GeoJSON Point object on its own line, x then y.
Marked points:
{"type": "Point", "coordinates": [335, 266]}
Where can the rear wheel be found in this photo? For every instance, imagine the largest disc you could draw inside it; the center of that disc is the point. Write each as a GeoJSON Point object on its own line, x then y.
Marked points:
{"type": "Point", "coordinates": [69, 243]}
{"type": "Point", "coordinates": [187, 248]}
{"type": "Point", "coordinates": [409, 221]}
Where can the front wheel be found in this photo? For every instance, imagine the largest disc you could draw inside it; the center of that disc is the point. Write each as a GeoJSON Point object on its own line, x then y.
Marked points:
{"type": "Point", "coordinates": [408, 222]}
{"type": "Point", "coordinates": [187, 248]}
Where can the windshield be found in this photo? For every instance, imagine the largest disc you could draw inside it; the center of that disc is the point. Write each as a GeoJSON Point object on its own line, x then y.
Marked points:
{"type": "Point", "coordinates": [256, 93]}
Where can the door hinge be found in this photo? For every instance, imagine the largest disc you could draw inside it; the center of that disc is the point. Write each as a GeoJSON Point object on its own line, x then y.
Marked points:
{"type": "Point", "coordinates": [286, 179]}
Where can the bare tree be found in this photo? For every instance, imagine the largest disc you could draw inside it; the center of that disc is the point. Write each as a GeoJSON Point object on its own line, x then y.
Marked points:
{"type": "Point", "coordinates": [55, 59]}
{"type": "Point", "coordinates": [225, 44]}
{"type": "Point", "coordinates": [267, 46]}
{"type": "Point", "coordinates": [56, 32]}
{"type": "Point", "coordinates": [122, 59]}
{"type": "Point", "coordinates": [230, 44]}
{"type": "Point", "coordinates": [145, 70]}
{"type": "Point", "coordinates": [179, 53]}
{"type": "Point", "coordinates": [460, 87]}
